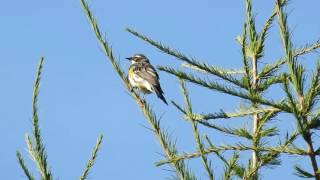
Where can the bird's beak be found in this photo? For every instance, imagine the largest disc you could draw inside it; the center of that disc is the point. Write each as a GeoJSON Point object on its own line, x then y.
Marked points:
{"type": "Point", "coordinates": [129, 58]}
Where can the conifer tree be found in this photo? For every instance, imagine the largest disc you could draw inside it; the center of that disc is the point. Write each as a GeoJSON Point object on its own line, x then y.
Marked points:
{"type": "Point", "coordinates": [250, 83]}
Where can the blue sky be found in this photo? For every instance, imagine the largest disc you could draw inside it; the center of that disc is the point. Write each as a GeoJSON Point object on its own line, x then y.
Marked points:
{"type": "Point", "coordinates": [81, 96]}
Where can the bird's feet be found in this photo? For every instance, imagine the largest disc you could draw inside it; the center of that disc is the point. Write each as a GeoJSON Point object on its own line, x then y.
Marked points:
{"type": "Point", "coordinates": [131, 89]}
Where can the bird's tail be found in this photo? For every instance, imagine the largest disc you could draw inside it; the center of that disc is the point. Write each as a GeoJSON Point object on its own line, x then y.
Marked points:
{"type": "Point", "coordinates": [159, 92]}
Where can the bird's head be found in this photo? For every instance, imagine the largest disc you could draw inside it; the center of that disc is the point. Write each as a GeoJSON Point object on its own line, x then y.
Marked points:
{"type": "Point", "coordinates": [138, 58]}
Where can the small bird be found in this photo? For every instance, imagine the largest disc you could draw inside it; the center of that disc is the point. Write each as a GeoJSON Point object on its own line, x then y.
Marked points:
{"type": "Point", "coordinates": [143, 75]}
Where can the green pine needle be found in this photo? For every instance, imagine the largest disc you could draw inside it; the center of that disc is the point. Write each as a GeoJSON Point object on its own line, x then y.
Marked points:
{"type": "Point", "coordinates": [302, 173]}
{"type": "Point", "coordinates": [92, 159]}
{"type": "Point", "coordinates": [24, 167]}
{"type": "Point", "coordinates": [206, 163]}
{"type": "Point", "coordinates": [213, 85]}
{"type": "Point", "coordinates": [37, 149]}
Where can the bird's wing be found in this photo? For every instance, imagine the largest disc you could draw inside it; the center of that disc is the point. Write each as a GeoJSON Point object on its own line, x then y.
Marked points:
{"type": "Point", "coordinates": [147, 71]}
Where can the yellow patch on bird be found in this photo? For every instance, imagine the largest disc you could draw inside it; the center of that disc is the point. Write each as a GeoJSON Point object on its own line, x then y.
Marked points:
{"type": "Point", "coordinates": [130, 73]}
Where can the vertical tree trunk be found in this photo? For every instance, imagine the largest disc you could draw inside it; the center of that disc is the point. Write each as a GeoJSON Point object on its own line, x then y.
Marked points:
{"type": "Point", "coordinates": [312, 156]}
{"type": "Point", "coordinates": [255, 117]}
{"type": "Point", "coordinates": [313, 160]}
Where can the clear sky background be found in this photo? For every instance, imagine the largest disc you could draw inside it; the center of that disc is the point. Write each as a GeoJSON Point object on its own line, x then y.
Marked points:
{"type": "Point", "coordinates": [81, 96]}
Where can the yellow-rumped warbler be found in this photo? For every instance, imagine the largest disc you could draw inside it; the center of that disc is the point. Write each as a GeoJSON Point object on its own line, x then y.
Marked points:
{"type": "Point", "coordinates": [143, 75]}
